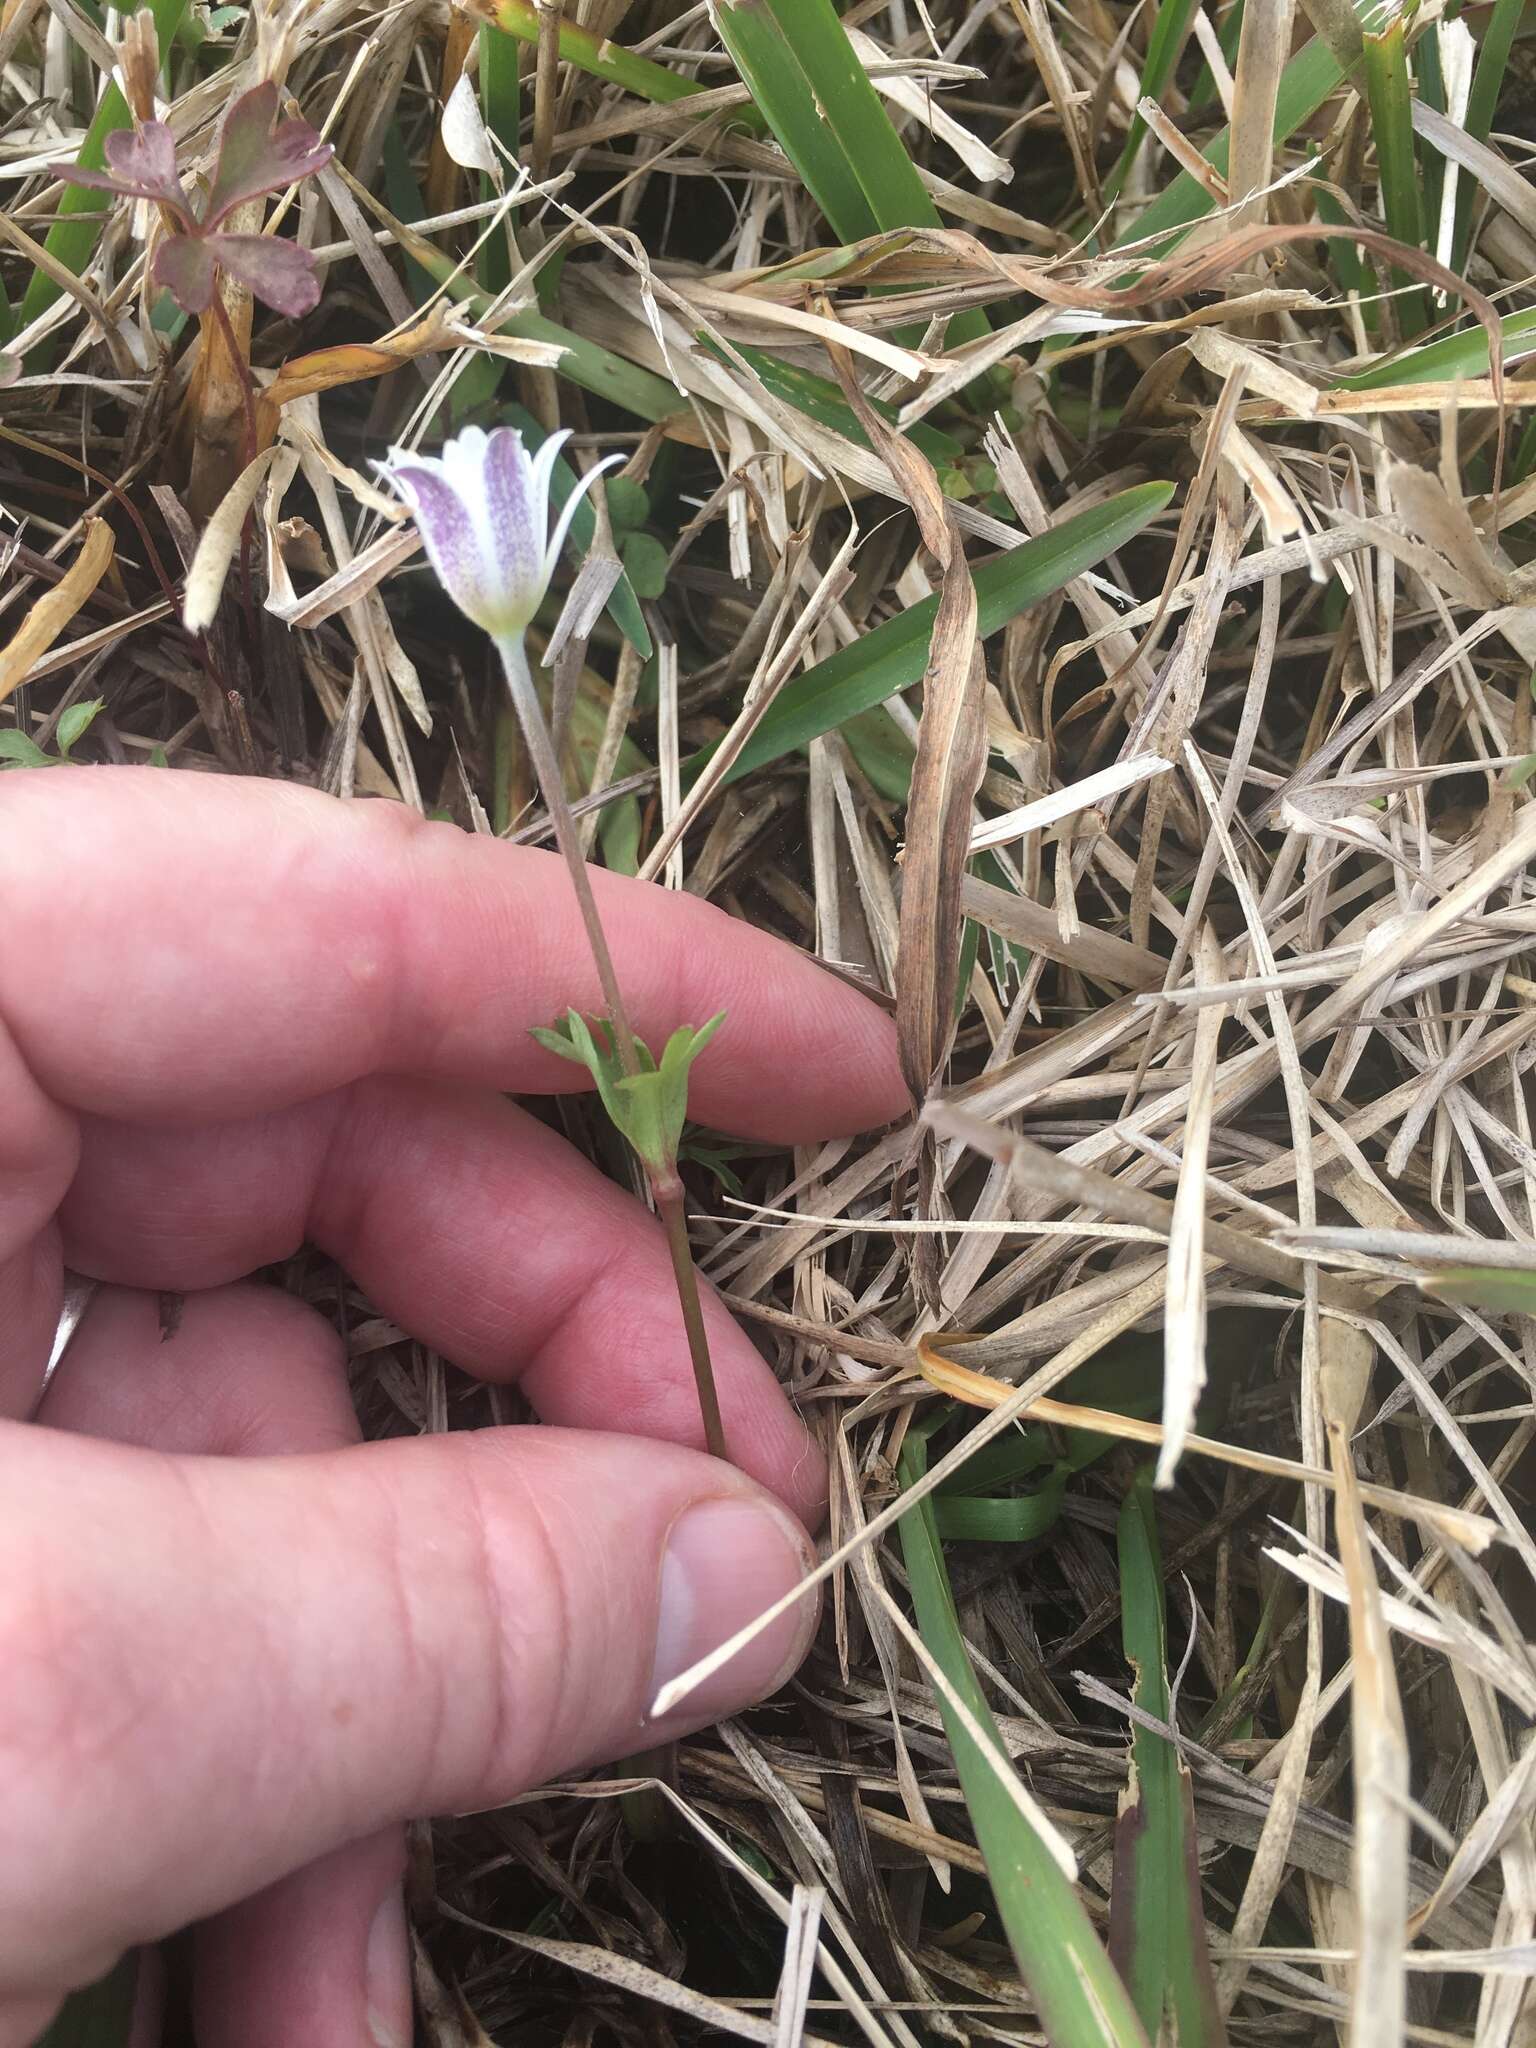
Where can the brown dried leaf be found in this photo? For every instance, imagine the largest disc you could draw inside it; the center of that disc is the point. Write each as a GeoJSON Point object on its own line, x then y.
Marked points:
{"type": "Point", "coordinates": [951, 753]}
{"type": "Point", "coordinates": [46, 619]}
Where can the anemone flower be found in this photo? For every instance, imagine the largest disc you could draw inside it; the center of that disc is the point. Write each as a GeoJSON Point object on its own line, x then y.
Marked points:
{"type": "Point", "coordinates": [482, 509]}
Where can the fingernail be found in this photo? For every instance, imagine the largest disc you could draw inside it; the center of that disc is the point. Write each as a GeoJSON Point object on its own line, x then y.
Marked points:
{"type": "Point", "coordinates": [725, 1562]}
{"type": "Point", "coordinates": [387, 1971]}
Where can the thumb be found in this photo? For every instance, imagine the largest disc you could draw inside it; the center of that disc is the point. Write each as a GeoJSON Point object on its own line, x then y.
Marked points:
{"type": "Point", "coordinates": [217, 1670]}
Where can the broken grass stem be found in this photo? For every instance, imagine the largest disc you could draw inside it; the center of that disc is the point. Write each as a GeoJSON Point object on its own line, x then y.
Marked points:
{"type": "Point", "coordinates": [666, 1185]}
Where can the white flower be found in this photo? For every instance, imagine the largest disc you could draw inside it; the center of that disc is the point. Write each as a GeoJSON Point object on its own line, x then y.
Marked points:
{"type": "Point", "coordinates": [482, 508]}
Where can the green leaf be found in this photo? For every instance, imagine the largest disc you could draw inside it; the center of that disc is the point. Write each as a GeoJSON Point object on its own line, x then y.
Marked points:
{"type": "Point", "coordinates": [1081, 2001]}
{"type": "Point", "coordinates": [1454, 355]}
{"type": "Point", "coordinates": [629, 504]}
{"type": "Point", "coordinates": [1389, 94]}
{"type": "Point", "coordinates": [642, 1118]}
{"type": "Point", "coordinates": [650, 1108]}
{"type": "Point", "coordinates": [822, 400]}
{"type": "Point", "coordinates": [714, 1159]}
{"type": "Point", "coordinates": [21, 750]}
{"type": "Point", "coordinates": [1156, 1920]}
{"type": "Point", "coordinates": [645, 564]}
{"type": "Point", "coordinates": [75, 723]}
{"type": "Point", "coordinates": [678, 1055]}
{"type": "Point", "coordinates": [1490, 1287]}
{"type": "Point", "coordinates": [894, 655]}
{"type": "Point", "coordinates": [1482, 103]}
{"type": "Point", "coordinates": [795, 59]}
{"type": "Point", "coordinates": [1017, 1518]}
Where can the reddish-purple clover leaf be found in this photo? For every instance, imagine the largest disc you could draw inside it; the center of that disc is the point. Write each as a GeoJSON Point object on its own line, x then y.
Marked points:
{"type": "Point", "coordinates": [184, 265]}
{"type": "Point", "coordinates": [281, 274]}
{"type": "Point", "coordinates": [141, 164]}
{"type": "Point", "coordinates": [256, 158]}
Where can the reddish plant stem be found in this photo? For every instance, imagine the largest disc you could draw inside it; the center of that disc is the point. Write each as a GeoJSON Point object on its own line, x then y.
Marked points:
{"type": "Point", "coordinates": [665, 1186]}
{"type": "Point", "coordinates": [673, 1210]}
{"type": "Point", "coordinates": [546, 765]}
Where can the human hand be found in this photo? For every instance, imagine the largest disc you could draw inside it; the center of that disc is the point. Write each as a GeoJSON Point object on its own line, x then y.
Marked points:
{"type": "Point", "coordinates": [239, 1648]}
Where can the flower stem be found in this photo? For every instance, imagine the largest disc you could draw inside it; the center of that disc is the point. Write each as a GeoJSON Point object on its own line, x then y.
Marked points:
{"type": "Point", "coordinates": [536, 736]}
{"type": "Point", "coordinates": [665, 1186]}
{"type": "Point", "coordinates": [674, 1215]}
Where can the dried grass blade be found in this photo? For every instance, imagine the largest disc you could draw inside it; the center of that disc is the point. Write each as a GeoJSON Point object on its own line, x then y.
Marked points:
{"type": "Point", "coordinates": [1381, 1841]}
{"type": "Point", "coordinates": [1184, 1327]}
{"type": "Point", "coordinates": [51, 614]}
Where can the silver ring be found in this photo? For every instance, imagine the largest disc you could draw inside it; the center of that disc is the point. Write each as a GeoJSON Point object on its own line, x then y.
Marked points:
{"type": "Point", "coordinates": [77, 1299]}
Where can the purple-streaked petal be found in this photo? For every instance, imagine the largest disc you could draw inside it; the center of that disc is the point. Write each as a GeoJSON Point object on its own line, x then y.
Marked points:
{"type": "Point", "coordinates": [448, 533]}
{"type": "Point", "coordinates": [281, 274]}
{"type": "Point", "coordinates": [184, 265]}
{"type": "Point", "coordinates": [141, 164]}
{"type": "Point", "coordinates": [514, 513]}
{"type": "Point", "coordinates": [255, 157]}
{"type": "Point", "coordinates": [568, 512]}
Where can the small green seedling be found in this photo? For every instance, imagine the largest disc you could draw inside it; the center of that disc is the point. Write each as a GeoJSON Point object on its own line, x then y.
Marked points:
{"type": "Point", "coordinates": [648, 1108]}
{"type": "Point", "coordinates": [20, 750]}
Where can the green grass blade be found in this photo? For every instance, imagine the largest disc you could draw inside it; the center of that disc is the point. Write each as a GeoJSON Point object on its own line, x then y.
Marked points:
{"type": "Point", "coordinates": [1157, 1924]}
{"type": "Point", "coordinates": [1081, 2000]}
{"type": "Point", "coordinates": [853, 110]}
{"type": "Point", "coordinates": [1454, 355]}
{"type": "Point", "coordinates": [501, 108]}
{"type": "Point", "coordinates": [894, 655]}
{"type": "Point", "coordinates": [594, 368]}
{"type": "Point", "coordinates": [1389, 95]}
{"type": "Point", "coordinates": [795, 59]}
{"type": "Point", "coordinates": [73, 236]}
{"type": "Point", "coordinates": [1019, 1518]}
{"type": "Point", "coordinates": [597, 55]}
{"type": "Point", "coordinates": [1487, 83]}
{"type": "Point", "coordinates": [1311, 75]}
{"type": "Point", "coordinates": [1491, 1287]}
{"type": "Point", "coordinates": [1429, 82]}
{"type": "Point", "coordinates": [822, 400]}
{"type": "Point", "coordinates": [773, 74]}
{"type": "Point", "coordinates": [1163, 47]}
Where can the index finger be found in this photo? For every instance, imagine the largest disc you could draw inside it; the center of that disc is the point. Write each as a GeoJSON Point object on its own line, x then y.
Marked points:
{"type": "Point", "coordinates": [179, 945]}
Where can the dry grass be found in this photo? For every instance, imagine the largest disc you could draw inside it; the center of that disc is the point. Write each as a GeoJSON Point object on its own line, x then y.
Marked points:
{"type": "Point", "coordinates": [1274, 976]}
